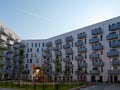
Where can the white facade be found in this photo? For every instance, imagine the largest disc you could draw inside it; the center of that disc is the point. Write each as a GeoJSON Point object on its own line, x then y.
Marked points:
{"type": "Point", "coordinates": [98, 56]}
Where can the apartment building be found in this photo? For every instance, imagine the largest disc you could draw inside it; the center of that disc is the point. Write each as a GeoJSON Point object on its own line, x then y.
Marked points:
{"type": "Point", "coordinates": [9, 57]}
{"type": "Point", "coordinates": [91, 53]}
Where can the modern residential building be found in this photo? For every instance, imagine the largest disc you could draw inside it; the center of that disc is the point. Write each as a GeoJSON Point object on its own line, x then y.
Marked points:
{"type": "Point", "coordinates": [9, 58]}
{"type": "Point", "coordinates": [91, 53]}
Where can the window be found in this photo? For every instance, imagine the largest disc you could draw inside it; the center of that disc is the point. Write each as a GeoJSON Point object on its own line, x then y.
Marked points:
{"type": "Point", "coordinates": [85, 41]}
{"type": "Point", "coordinates": [101, 52]}
{"type": "Point", "coordinates": [26, 65]}
{"type": "Point", "coordinates": [43, 45]}
{"type": "Point", "coordinates": [32, 44]}
{"type": "Point", "coordinates": [35, 44]}
{"type": "Point", "coordinates": [30, 60]}
{"type": "Point", "coordinates": [26, 55]}
{"type": "Point", "coordinates": [72, 44]}
{"type": "Point", "coordinates": [37, 61]}
{"type": "Point", "coordinates": [30, 49]}
{"type": "Point", "coordinates": [39, 44]}
{"type": "Point", "coordinates": [27, 60]}
{"type": "Point", "coordinates": [37, 49]}
{"type": "Point", "coordinates": [101, 37]}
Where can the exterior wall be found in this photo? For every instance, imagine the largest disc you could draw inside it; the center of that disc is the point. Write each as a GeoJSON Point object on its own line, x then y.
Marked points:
{"type": "Point", "coordinates": [104, 26]}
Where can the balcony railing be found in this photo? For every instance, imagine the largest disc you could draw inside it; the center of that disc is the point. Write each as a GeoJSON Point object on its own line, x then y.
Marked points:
{"type": "Point", "coordinates": [97, 47]}
{"type": "Point", "coordinates": [69, 38]}
{"type": "Point", "coordinates": [82, 65]}
{"type": "Point", "coordinates": [94, 56]}
{"type": "Point", "coordinates": [98, 64]}
{"type": "Point", "coordinates": [113, 72]}
{"type": "Point", "coordinates": [97, 31]}
{"type": "Point", "coordinates": [94, 72]}
{"type": "Point", "coordinates": [113, 53]}
{"type": "Point", "coordinates": [82, 50]}
{"type": "Point", "coordinates": [46, 50]}
{"type": "Point", "coordinates": [79, 72]}
{"type": "Point", "coordinates": [115, 44]}
{"type": "Point", "coordinates": [78, 58]}
{"type": "Point", "coordinates": [67, 59]}
{"type": "Point", "coordinates": [58, 53]}
{"type": "Point", "coordinates": [58, 41]}
{"type": "Point", "coordinates": [49, 55]}
{"type": "Point", "coordinates": [49, 44]}
{"type": "Point", "coordinates": [79, 43]}
{"type": "Point", "coordinates": [69, 52]}
{"type": "Point", "coordinates": [94, 40]}
{"type": "Point", "coordinates": [114, 27]}
{"type": "Point", "coordinates": [56, 48]}
{"type": "Point", "coordinates": [116, 62]}
{"type": "Point", "coordinates": [70, 65]}
{"type": "Point", "coordinates": [81, 35]}
{"type": "Point", "coordinates": [67, 45]}
{"type": "Point", "coordinates": [112, 36]}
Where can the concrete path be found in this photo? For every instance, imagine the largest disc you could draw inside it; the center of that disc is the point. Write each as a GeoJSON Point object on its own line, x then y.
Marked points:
{"type": "Point", "coordinates": [7, 89]}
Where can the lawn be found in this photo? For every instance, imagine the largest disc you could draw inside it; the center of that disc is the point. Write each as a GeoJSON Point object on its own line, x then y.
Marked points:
{"type": "Point", "coordinates": [48, 86]}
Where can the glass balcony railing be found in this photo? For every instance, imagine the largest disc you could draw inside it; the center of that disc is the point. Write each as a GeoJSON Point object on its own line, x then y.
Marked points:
{"type": "Point", "coordinates": [67, 59]}
{"type": "Point", "coordinates": [116, 62]}
{"type": "Point", "coordinates": [69, 38]}
{"type": "Point", "coordinates": [113, 53]}
{"type": "Point", "coordinates": [94, 56]}
{"type": "Point", "coordinates": [114, 72]}
{"type": "Point", "coordinates": [81, 35]}
{"type": "Point", "coordinates": [58, 41]}
{"type": "Point", "coordinates": [67, 45]}
{"type": "Point", "coordinates": [98, 64]}
{"type": "Point", "coordinates": [82, 65]}
{"type": "Point", "coordinates": [94, 40]}
{"type": "Point", "coordinates": [115, 44]}
{"type": "Point", "coordinates": [112, 36]}
{"type": "Point", "coordinates": [56, 48]}
{"type": "Point", "coordinates": [94, 72]}
{"type": "Point", "coordinates": [97, 47]}
{"type": "Point", "coordinates": [49, 44]}
{"type": "Point", "coordinates": [78, 58]}
{"type": "Point", "coordinates": [69, 52]}
{"type": "Point", "coordinates": [79, 72]}
{"type": "Point", "coordinates": [82, 50]}
{"type": "Point", "coordinates": [79, 43]}
{"type": "Point", "coordinates": [97, 31]}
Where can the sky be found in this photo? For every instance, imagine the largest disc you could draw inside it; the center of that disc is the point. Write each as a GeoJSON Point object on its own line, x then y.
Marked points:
{"type": "Point", "coordinates": [42, 19]}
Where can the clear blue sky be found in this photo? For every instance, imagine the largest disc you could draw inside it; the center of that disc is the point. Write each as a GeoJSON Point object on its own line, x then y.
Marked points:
{"type": "Point", "coordinates": [42, 19]}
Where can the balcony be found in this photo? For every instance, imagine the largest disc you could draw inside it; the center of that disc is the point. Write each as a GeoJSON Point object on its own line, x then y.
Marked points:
{"type": "Point", "coordinates": [82, 65]}
{"type": "Point", "coordinates": [79, 72]}
{"type": "Point", "coordinates": [16, 46]}
{"type": "Point", "coordinates": [116, 62]}
{"type": "Point", "coordinates": [94, 72]}
{"type": "Point", "coordinates": [69, 38]}
{"type": "Point", "coordinates": [94, 56]}
{"type": "Point", "coordinates": [97, 47]}
{"type": "Point", "coordinates": [82, 50]}
{"type": "Point", "coordinates": [97, 31]}
{"type": "Point", "coordinates": [46, 50]}
{"type": "Point", "coordinates": [49, 55]}
{"type": "Point", "coordinates": [70, 65]}
{"type": "Point", "coordinates": [3, 62]}
{"type": "Point", "coordinates": [58, 41]}
{"type": "Point", "coordinates": [94, 40]}
{"type": "Point", "coordinates": [78, 58]}
{"type": "Point", "coordinates": [69, 52]}
{"type": "Point", "coordinates": [112, 35]}
{"type": "Point", "coordinates": [67, 59]}
{"type": "Point", "coordinates": [115, 44]}
{"type": "Point", "coordinates": [81, 35]}
{"type": "Point", "coordinates": [4, 54]}
{"type": "Point", "coordinates": [114, 27]}
{"type": "Point", "coordinates": [56, 48]}
{"type": "Point", "coordinates": [3, 38]}
{"type": "Point", "coordinates": [79, 43]}
{"type": "Point", "coordinates": [98, 64]}
{"type": "Point", "coordinates": [48, 66]}
{"type": "Point", "coordinates": [113, 72]}
{"type": "Point", "coordinates": [58, 53]}
{"type": "Point", "coordinates": [113, 53]}
{"type": "Point", "coordinates": [67, 45]}
{"type": "Point", "coordinates": [46, 61]}
{"type": "Point", "coordinates": [49, 44]}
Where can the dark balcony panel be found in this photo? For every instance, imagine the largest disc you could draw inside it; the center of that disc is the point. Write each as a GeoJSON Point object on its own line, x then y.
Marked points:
{"type": "Point", "coordinates": [97, 31]}
{"type": "Point", "coordinates": [113, 35]}
{"type": "Point", "coordinates": [67, 45]}
{"type": "Point", "coordinates": [69, 38]}
{"type": "Point", "coordinates": [98, 64]}
{"type": "Point", "coordinates": [95, 72]}
{"type": "Point", "coordinates": [58, 41]}
{"type": "Point", "coordinates": [97, 47]}
{"type": "Point", "coordinates": [81, 35]}
{"type": "Point", "coordinates": [58, 53]}
{"type": "Point", "coordinates": [82, 65]}
{"type": "Point", "coordinates": [113, 53]}
{"type": "Point", "coordinates": [46, 61]}
{"type": "Point", "coordinates": [56, 48]}
{"type": "Point", "coordinates": [70, 65]}
{"type": "Point", "coordinates": [115, 44]}
{"type": "Point", "coordinates": [67, 59]}
{"type": "Point", "coordinates": [113, 72]}
{"type": "Point", "coordinates": [82, 50]}
{"type": "Point", "coordinates": [49, 44]}
{"type": "Point", "coordinates": [94, 56]}
{"type": "Point", "coordinates": [94, 40]}
{"type": "Point", "coordinates": [114, 27]}
{"type": "Point", "coordinates": [116, 62]}
{"type": "Point", "coordinates": [46, 50]}
{"type": "Point", "coordinates": [78, 58]}
{"type": "Point", "coordinates": [79, 72]}
{"type": "Point", "coordinates": [79, 43]}
{"type": "Point", "coordinates": [69, 52]}
{"type": "Point", "coordinates": [49, 55]}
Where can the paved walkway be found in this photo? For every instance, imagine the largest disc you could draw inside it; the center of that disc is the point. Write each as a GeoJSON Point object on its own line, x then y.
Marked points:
{"type": "Point", "coordinates": [7, 89]}
{"type": "Point", "coordinates": [100, 87]}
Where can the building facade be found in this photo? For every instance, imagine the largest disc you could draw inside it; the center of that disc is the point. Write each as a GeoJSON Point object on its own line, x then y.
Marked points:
{"type": "Point", "coordinates": [9, 56]}
{"type": "Point", "coordinates": [91, 53]}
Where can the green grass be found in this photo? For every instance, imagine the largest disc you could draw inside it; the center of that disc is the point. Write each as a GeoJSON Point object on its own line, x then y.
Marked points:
{"type": "Point", "coordinates": [39, 86]}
